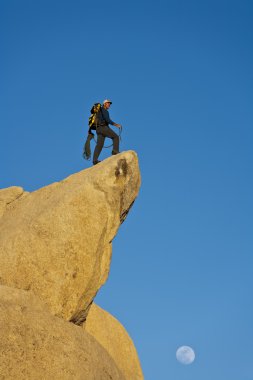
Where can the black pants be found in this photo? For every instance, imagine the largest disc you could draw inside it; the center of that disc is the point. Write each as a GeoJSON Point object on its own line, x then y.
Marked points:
{"type": "Point", "coordinates": [102, 133]}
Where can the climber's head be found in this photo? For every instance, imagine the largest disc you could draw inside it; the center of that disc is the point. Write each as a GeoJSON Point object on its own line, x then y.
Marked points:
{"type": "Point", "coordinates": [107, 103]}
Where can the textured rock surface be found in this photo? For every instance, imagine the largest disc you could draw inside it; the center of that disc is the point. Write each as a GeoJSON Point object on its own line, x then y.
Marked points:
{"type": "Point", "coordinates": [9, 195]}
{"type": "Point", "coordinates": [114, 338]}
{"type": "Point", "coordinates": [37, 345]}
{"type": "Point", "coordinates": [56, 241]}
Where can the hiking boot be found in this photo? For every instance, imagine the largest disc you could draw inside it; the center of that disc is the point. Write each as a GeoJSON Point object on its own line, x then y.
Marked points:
{"type": "Point", "coordinates": [114, 152]}
{"type": "Point", "coordinates": [96, 162]}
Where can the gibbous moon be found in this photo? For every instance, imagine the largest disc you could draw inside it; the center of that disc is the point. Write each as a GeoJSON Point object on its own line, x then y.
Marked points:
{"type": "Point", "coordinates": [185, 355]}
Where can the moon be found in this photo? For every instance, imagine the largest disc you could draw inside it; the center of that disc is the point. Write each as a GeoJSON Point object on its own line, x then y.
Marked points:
{"type": "Point", "coordinates": [185, 355]}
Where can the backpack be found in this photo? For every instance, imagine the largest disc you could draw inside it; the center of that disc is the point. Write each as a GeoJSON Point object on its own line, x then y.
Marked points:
{"type": "Point", "coordinates": [93, 119]}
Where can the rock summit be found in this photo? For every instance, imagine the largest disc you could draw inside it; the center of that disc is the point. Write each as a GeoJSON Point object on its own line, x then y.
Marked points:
{"type": "Point", "coordinates": [55, 250]}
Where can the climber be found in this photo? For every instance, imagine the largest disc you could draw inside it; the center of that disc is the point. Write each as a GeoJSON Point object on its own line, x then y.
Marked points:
{"type": "Point", "coordinates": [103, 131]}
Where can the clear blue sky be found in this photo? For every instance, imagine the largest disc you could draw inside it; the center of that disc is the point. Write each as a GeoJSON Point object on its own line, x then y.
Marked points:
{"type": "Point", "coordinates": [181, 80]}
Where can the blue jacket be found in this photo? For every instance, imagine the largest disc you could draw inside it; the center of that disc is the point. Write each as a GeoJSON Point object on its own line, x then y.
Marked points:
{"type": "Point", "coordinates": [104, 118]}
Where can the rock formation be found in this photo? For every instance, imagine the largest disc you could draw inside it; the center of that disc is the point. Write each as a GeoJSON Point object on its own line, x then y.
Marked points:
{"type": "Point", "coordinates": [9, 195]}
{"type": "Point", "coordinates": [35, 344]}
{"type": "Point", "coordinates": [114, 338]}
{"type": "Point", "coordinates": [56, 241]}
{"type": "Point", "coordinates": [55, 252]}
